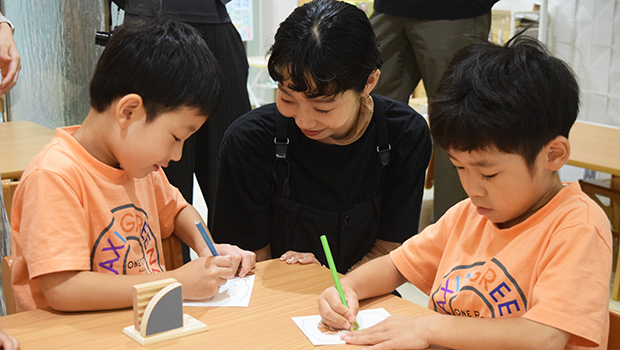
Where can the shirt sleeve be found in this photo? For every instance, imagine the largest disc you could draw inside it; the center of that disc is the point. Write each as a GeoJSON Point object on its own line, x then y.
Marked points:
{"type": "Point", "coordinates": [169, 202]}
{"type": "Point", "coordinates": [568, 293]}
{"type": "Point", "coordinates": [419, 257]}
{"type": "Point", "coordinates": [52, 241]}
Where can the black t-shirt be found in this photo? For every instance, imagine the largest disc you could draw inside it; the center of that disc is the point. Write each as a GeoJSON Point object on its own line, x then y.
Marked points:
{"type": "Point", "coordinates": [327, 177]}
{"type": "Point", "coordinates": [435, 9]}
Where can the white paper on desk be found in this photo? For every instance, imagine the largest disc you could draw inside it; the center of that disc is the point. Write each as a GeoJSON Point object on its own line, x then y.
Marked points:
{"type": "Point", "coordinates": [236, 292]}
{"type": "Point", "coordinates": [309, 325]}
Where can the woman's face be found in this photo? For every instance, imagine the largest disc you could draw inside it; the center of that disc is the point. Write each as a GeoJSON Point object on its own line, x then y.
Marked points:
{"type": "Point", "coordinates": [319, 117]}
{"type": "Point", "coordinates": [323, 116]}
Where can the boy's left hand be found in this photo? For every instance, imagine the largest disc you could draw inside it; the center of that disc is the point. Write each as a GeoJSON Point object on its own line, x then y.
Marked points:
{"type": "Point", "coordinates": [395, 332]}
{"type": "Point", "coordinates": [243, 260]}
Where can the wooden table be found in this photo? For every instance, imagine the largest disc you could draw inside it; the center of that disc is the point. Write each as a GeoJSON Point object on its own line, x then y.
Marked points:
{"type": "Point", "coordinates": [595, 147]}
{"type": "Point", "coordinates": [20, 141]}
{"type": "Point", "coordinates": [281, 291]}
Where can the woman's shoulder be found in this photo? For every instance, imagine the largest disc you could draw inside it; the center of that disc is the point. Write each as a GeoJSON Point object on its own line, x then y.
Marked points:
{"type": "Point", "coordinates": [256, 124]}
{"type": "Point", "coordinates": [400, 117]}
{"type": "Point", "coordinates": [259, 119]}
{"type": "Point", "coordinates": [252, 133]}
{"type": "Point", "coordinates": [396, 111]}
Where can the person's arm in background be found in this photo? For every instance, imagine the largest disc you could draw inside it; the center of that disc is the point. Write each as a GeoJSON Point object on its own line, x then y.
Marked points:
{"type": "Point", "coordinates": [10, 62]}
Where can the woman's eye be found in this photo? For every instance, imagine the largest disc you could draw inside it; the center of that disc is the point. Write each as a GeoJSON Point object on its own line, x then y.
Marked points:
{"type": "Point", "coordinates": [176, 139]}
{"type": "Point", "coordinates": [488, 177]}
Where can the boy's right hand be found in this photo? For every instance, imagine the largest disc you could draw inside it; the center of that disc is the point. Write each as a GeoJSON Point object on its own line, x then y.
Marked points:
{"type": "Point", "coordinates": [202, 277]}
{"type": "Point", "coordinates": [333, 312]}
{"type": "Point", "coordinates": [7, 342]}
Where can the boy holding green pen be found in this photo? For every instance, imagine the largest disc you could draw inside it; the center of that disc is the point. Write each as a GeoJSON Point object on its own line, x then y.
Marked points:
{"type": "Point", "coordinates": [526, 260]}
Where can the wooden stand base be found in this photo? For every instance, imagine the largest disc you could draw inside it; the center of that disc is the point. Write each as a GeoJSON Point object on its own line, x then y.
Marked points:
{"type": "Point", "coordinates": [190, 326]}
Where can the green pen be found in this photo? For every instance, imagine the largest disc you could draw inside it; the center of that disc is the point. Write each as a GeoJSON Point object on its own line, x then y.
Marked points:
{"type": "Point", "coordinates": [332, 267]}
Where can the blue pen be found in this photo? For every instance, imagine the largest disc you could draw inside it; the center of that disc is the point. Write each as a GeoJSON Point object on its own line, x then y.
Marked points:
{"type": "Point", "coordinates": [206, 237]}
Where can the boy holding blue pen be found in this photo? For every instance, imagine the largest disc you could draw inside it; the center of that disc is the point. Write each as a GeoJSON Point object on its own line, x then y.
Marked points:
{"type": "Point", "coordinates": [525, 261]}
{"type": "Point", "coordinates": [93, 206]}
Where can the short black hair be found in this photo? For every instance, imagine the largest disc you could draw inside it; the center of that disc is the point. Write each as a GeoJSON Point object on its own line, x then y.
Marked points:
{"type": "Point", "coordinates": [325, 47]}
{"type": "Point", "coordinates": [516, 98]}
{"type": "Point", "coordinates": [164, 61]}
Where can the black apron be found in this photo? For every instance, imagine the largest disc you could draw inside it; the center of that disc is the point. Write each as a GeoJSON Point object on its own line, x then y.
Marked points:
{"type": "Point", "coordinates": [298, 227]}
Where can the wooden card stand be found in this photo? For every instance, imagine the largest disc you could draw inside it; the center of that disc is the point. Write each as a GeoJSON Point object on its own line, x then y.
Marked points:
{"type": "Point", "coordinates": [158, 313]}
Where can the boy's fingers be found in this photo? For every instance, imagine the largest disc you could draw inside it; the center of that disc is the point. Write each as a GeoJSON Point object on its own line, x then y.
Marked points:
{"type": "Point", "coordinates": [248, 262]}
{"type": "Point", "coordinates": [235, 261]}
{"type": "Point", "coordinates": [219, 261]}
{"type": "Point", "coordinates": [332, 310]}
{"type": "Point", "coordinates": [369, 336]}
{"type": "Point", "coordinates": [353, 307]}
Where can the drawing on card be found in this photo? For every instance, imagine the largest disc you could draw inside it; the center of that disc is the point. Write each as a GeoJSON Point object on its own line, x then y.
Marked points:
{"type": "Point", "coordinates": [235, 293]}
{"type": "Point", "coordinates": [309, 325]}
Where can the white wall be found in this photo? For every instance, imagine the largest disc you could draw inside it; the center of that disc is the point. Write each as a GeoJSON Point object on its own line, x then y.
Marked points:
{"type": "Point", "coordinates": [271, 13]}
{"type": "Point", "coordinates": [586, 34]}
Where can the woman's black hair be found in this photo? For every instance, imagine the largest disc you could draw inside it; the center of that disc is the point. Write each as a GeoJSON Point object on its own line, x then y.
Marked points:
{"type": "Point", "coordinates": [323, 48]}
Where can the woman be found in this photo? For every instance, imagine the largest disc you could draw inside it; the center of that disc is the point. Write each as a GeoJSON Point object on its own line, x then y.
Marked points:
{"type": "Point", "coordinates": [327, 158]}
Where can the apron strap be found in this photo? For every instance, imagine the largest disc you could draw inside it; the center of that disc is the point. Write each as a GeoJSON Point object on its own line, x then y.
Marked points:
{"type": "Point", "coordinates": [281, 147]}
{"type": "Point", "coordinates": [281, 141]}
{"type": "Point", "coordinates": [384, 146]}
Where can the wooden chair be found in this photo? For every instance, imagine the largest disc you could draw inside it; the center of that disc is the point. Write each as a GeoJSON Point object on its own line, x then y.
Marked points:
{"type": "Point", "coordinates": [609, 189]}
{"type": "Point", "coordinates": [173, 252]}
{"type": "Point", "coordinates": [614, 330]}
{"type": "Point", "coordinates": [7, 288]}
{"type": "Point", "coordinates": [6, 197]}
{"type": "Point", "coordinates": [8, 189]}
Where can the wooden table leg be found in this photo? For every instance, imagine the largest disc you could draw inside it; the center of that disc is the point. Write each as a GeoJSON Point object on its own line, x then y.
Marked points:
{"type": "Point", "coordinates": [615, 290]}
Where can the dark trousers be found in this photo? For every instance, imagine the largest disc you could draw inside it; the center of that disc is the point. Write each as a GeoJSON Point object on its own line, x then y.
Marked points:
{"type": "Point", "coordinates": [415, 49]}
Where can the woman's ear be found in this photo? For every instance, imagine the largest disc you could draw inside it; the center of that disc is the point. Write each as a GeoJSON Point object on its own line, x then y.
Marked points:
{"type": "Point", "coordinates": [557, 153]}
{"type": "Point", "coordinates": [130, 108]}
{"type": "Point", "coordinates": [371, 82]}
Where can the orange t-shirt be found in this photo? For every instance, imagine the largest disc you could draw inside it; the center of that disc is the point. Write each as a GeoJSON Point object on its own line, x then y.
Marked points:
{"type": "Point", "coordinates": [554, 268]}
{"type": "Point", "coordinates": [73, 213]}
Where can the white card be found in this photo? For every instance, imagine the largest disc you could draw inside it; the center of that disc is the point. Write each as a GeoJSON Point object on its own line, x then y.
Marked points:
{"type": "Point", "coordinates": [309, 325]}
{"type": "Point", "coordinates": [236, 292]}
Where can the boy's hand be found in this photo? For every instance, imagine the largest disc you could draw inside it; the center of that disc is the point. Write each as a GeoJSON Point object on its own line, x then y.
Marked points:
{"type": "Point", "coordinates": [201, 278]}
{"type": "Point", "coordinates": [243, 261]}
{"type": "Point", "coordinates": [333, 312]}
{"type": "Point", "coordinates": [395, 332]}
{"type": "Point", "coordinates": [292, 257]}
{"type": "Point", "coordinates": [7, 342]}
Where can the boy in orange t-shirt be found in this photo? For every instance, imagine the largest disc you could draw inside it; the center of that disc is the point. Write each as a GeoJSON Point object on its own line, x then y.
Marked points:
{"type": "Point", "coordinates": [93, 206]}
{"type": "Point", "coordinates": [526, 260]}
